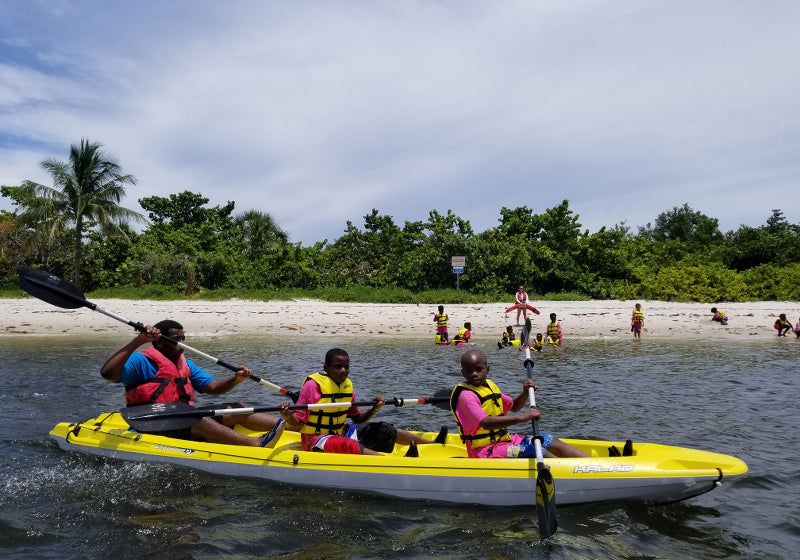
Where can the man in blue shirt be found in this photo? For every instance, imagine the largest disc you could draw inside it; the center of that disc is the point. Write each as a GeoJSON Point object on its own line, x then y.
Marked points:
{"type": "Point", "coordinates": [161, 373]}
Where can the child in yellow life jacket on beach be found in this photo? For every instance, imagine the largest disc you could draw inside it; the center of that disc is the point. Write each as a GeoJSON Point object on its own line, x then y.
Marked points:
{"type": "Point", "coordinates": [782, 325]}
{"type": "Point", "coordinates": [463, 336]}
{"type": "Point", "coordinates": [553, 331]}
{"type": "Point", "coordinates": [719, 316]}
{"type": "Point", "coordinates": [441, 326]}
{"type": "Point", "coordinates": [637, 321]}
{"type": "Point", "coordinates": [508, 338]}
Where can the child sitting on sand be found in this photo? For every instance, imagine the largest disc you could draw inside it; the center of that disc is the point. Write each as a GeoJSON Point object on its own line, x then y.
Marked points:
{"type": "Point", "coordinates": [719, 316]}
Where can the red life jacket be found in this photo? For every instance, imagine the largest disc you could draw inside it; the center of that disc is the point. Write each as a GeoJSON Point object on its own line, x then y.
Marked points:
{"type": "Point", "coordinates": [171, 383]}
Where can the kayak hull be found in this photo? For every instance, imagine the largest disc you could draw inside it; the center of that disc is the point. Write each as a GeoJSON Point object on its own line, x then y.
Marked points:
{"type": "Point", "coordinates": [654, 474]}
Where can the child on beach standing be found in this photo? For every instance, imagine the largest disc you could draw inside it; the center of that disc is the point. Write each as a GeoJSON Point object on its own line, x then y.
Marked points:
{"type": "Point", "coordinates": [441, 326]}
{"type": "Point", "coordinates": [637, 321]}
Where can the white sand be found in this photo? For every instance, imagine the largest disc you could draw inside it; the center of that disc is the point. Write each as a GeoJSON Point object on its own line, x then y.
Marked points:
{"type": "Point", "coordinates": [584, 319]}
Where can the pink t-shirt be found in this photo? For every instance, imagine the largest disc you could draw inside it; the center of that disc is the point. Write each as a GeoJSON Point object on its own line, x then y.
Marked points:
{"type": "Point", "coordinates": [470, 414]}
{"type": "Point", "coordinates": [311, 394]}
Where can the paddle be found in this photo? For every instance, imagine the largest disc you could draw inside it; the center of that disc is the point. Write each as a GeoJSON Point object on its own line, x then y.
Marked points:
{"type": "Point", "coordinates": [161, 417]}
{"type": "Point", "coordinates": [545, 486]}
{"type": "Point", "coordinates": [53, 290]}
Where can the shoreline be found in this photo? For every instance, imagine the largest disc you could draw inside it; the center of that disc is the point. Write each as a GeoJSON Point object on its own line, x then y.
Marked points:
{"type": "Point", "coordinates": [606, 319]}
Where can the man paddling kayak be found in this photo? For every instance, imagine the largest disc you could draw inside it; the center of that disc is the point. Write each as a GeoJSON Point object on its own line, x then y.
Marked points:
{"type": "Point", "coordinates": [162, 374]}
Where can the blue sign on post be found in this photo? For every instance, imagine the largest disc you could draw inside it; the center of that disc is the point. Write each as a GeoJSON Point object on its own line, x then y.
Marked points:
{"type": "Point", "coordinates": [458, 270]}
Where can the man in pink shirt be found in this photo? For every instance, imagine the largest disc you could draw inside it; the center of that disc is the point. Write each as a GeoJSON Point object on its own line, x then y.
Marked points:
{"type": "Point", "coordinates": [481, 413]}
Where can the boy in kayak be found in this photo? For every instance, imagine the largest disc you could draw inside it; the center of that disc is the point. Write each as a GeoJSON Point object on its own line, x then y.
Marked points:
{"type": "Point", "coordinates": [719, 316]}
{"type": "Point", "coordinates": [325, 429]}
{"type": "Point", "coordinates": [480, 409]}
{"type": "Point", "coordinates": [782, 325]}
{"type": "Point", "coordinates": [162, 374]}
{"type": "Point", "coordinates": [441, 326]}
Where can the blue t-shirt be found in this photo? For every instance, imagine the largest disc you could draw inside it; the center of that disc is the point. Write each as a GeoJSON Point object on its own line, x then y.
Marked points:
{"type": "Point", "coordinates": [139, 368]}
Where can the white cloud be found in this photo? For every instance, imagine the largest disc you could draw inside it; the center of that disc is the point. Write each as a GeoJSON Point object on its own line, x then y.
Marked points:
{"type": "Point", "coordinates": [319, 111]}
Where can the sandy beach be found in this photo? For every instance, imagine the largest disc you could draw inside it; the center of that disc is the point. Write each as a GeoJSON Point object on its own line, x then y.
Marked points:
{"type": "Point", "coordinates": [584, 319]}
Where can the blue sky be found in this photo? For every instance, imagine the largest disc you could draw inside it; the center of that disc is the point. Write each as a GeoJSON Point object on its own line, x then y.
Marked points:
{"type": "Point", "coordinates": [319, 111]}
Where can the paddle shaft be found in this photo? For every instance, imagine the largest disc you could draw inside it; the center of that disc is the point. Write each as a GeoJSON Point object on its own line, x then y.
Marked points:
{"type": "Point", "coordinates": [59, 292]}
{"type": "Point", "coordinates": [545, 487]}
{"type": "Point", "coordinates": [162, 417]}
{"type": "Point", "coordinates": [201, 412]}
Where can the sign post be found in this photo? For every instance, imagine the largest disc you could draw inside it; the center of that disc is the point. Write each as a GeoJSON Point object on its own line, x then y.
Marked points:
{"type": "Point", "coordinates": [458, 264]}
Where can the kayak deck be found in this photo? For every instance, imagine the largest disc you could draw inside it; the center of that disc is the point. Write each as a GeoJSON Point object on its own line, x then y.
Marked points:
{"type": "Point", "coordinates": [654, 473]}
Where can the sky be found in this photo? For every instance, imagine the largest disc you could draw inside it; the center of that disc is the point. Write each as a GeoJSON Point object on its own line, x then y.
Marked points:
{"type": "Point", "coordinates": [319, 111]}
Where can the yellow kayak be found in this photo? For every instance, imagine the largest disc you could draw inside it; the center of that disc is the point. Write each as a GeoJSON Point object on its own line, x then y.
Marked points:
{"type": "Point", "coordinates": [653, 474]}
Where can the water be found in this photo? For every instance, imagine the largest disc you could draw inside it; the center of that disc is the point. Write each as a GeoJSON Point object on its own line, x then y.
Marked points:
{"type": "Point", "coordinates": [736, 398]}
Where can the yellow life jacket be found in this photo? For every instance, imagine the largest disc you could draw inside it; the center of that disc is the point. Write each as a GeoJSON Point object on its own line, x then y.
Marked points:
{"type": "Point", "coordinates": [328, 421]}
{"type": "Point", "coordinates": [441, 320]}
{"type": "Point", "coordinates": [491, 402]}
{"type": "Point", "coordinates": [460, 336]}
{"type": "Point", "coordinates": [638, 316]}
{"type": "Point", "coordinates": [552, 329]}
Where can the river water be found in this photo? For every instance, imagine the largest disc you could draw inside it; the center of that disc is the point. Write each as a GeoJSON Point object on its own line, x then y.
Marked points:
{"type": "Point", "coordinates": [734, 398]}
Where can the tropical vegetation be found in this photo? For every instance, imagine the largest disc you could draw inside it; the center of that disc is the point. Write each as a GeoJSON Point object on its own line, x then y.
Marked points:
{"type": "Point", "coordinates": [77, 228]}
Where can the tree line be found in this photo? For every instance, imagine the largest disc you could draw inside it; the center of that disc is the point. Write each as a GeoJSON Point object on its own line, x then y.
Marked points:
{"type": "Point", "coordinates": [77, 228]}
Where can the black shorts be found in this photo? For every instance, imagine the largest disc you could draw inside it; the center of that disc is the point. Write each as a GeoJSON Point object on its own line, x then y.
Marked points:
{"type": "Point", "coordinates": [378, 436]}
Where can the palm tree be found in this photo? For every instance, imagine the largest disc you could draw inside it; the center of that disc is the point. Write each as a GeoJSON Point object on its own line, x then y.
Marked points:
{"type": "Point", "coordinates": [86, 189]}
{"type": "Point", "coordinates": [260, 232]}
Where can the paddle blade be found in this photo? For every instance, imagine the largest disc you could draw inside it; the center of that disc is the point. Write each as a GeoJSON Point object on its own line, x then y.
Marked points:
{"type": "Point", "coordinates": [546, 502]}
{"type": "Point", "coordinates": [163, 417]}
{"type": "Point", "coordinates": [441, 399]}
{"type": "Point", "coordinates": [51, 289]}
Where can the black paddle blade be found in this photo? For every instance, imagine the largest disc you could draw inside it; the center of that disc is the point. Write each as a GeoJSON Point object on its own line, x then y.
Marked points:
{"type": "Point", "coordinates": [546, 502]}
{"type": "Point", "coordinates": [163, 417]}
{"type": "Point", "coordinates": [51, 289]}
{"type": "Point", "coordinates": [527, 330]}
{"type": "Point", "coordinates": [441, 399]}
